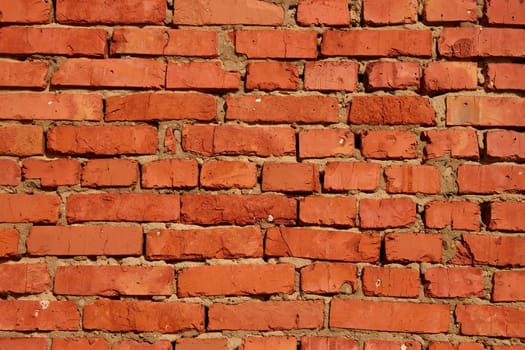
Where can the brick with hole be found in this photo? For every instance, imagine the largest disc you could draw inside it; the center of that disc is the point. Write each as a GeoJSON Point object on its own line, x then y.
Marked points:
{"type": "Point", "coordinates": [114, 281]}
{"type": "Point", "coordinates": [201, 76]}
{"type": "Point", "coordinates": [153, 41]}
{"type": "Point", "coordinates": [266, 316]}
{"type": "Point", "coordinates": [391, 345]}
{"type": "Point", "coordinates": [488, 179]}
{"type": "Point", "coordinates": [413, 247]}
{"type": "Point", "coordinates": [383, 316]}
{"type": "Point", "coordinates": [382, 75]}
{"type": "Point", "coordinates": [384, 12]}
{"type": "Point", "coordinates": [143, 316]}
{"type": "Point", "coordinates": [507, 285]}
{"type": "Point", "coordinates": [504, 76]}
{"type": "Point", "coordinates": [328, 211]}
{"type": "Point", "coordinates": [388, 144]}
{"type": "Point", "coordinates": [223, 174]}
{"type": "Point", "coordinates": [444, 11]}
{"type": "Point", "coordinates": [29, 208]}
{"type": "Point", "coordinates": [350, 176]}
{"type": "Point", "coordinates": [202, 344]}
{"type": "Point", "coordinates": [21, 140]}
{"type": "Point", "coordinates": [52, 173]}
{"type": "Point", "coordinates": [386, 213]}
{"type": "Point", "coordinates": [25, 11]}
{"type": "Point", "coordinates": [270, 342]}
{"type": "Point", "coordinates": [18, 74]}
{"type": "Point", "coordinates": [456, 143]}
{"type": "Point", "coordinates": [9, 238]}
{"type": "Point", "coordinates": [331, 76]}
{"type": "Point", "coordinates": [458, 215]}
{"type": "Point", "coordinates": [135, 345]}
{"type": "Point", "coordinates": [391, 110]}
{"type": "Point", "coordinates": [109, 173]}
{"type": "Point", "coordinates": [235, 280]}
{"type": "Point", "coordinates": [85, 240]}
{"type": "Point", "coordinates": [390, 282]}
{"type": "Point", "coordinates": [496, 250]}
{"type": "Point", "coordinates": [80, 344]}
{"type": "Point", "coordinates": [31, 279]}
{"type": "Point", "coordinates": [506, 12]}
{"type": "Point", "coordinates": [290, 177]}
{"type": "Point", "coordinates": [11, 173]}
{"type": "Point", "coordinates": [413, 179]}
{"type": "Point", "coordinates": [453, 282]}
{"type": "Point", "coordinates": [170, 173]}
{"type": "Point", "coordinates": [322, 244]}
{"type": "Point", "coordinates": [272, 75]}
{"type": "Point", "coordinates": [505, 145]}
{"type": "Point", "coordinates": [321, 143]}
{"type": "Point", "coordinates": [329, 278]}
{"type": "Point", "coordinates": [327, 12]}
{"type": "Point", "coordinates": [279, 43]}
{"type": "Point", "coordinates": [32, 343]}
{"type": "Point", "coordinates": [327, 343]}
{"type": "Point", "coordinates": [495, 321]}
{"type": "Point", "coordinates": [43, 315]}
{"type": "Point", "coordinates": [213, 12]}
{"type": "Point", "coordinates": [202, 244]}
{"type": "Point", "coordinates": [440, 77]}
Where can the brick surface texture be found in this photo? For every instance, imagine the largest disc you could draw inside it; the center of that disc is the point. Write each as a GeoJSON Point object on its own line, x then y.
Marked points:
{"type": "Point", "coordinates": [262, 174]}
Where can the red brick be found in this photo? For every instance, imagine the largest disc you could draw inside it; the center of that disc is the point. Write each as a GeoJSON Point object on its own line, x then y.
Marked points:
{"type": "Point", "coordinates": [276, 43]}
{"type": "Point", "coordinates": [170, 142]}
{"type": "Point", "coordinates": [496, 321]}
{"type": "Point", "coordinates": [488, 179]}
{"type": "Point", "coordinates": [322, 244]}
{"type": "Point", "coordinates": [349, 176]}
{"type": "Point", "coordinates": [201, 244]}
{"type": "Point", "coordinates": [457, 215]}
{"type": "Point", "coordinates": [103, 140]}
{"type": "Point", "coordinates": [505, 76]}
{"type": "Point", "coordinates": [321, 143]}
{"type": "Point", "coordinates": [23, 343]}
{"type": "Point", "coordinates": [85, 240]}
{"type": "Point", "coordinates": [30, 278]}
{"type": "Point", "coordinates": [392, 75]}
{"type": "Point", "coordinates": [25, 11]}
{"type": "Point", "coordinates": [391, 110]}
{"type": "Point", "coordinates": [122, 207]}
{"type": "Point", "coordinates": [43, 315]}
{"type": "Point", "coordinates": [134, 345]}
{"type": "Point", "coordinates": [143, 316]}
{"type": "Point", "coordinates": [382, 12]}
{"type": "Point", "coordinates": [506, 216]}
{"type": "Point", "coordinates": [53, 41]}
{"type": "Point", "coordinates": [8, 243]}
{"type": "Point", "coordinates": [258, 141]}
{"type": "Point", "coordinates": [30, 208]}
{"type": "Point", "coordinates": [214, 209]}
{"type": "Point", "coordinates": [50, 106]}
{"type": "Point", "coordinates": [282, 109]}
{"type": "Point", "coordinates": [490, 250]}
{"type": "Point", "coordinates": [10, 174]}
{"type": "Point", "coordinates": [161, 106]}
{"type": "Point", "coordinates": [451, 282]}
{"type": "Point", "coordinates": [221, 174]}
{"type": "Point", "coordinates": [114, 280]}
{"type": "Point", "coordinates": [505, 145]}
{"type": "Point", "coordinates": [439, 11]}
{"type": "Point", "coordinates": [328, 278]}
{"type": "Point", "coordinates": [456, 143]}
{"type": "Point", "coordinates": [485, 111]}
{"type": "Point", "coordinates": [201, 76]}
{"type": "Point", "coordinates": [170, 173]}
{"type": "Point", "coordinates": [450, 346]}
{"type": "Point", "coordinates": [21, 140]}
{"type": "Point", "coordinates": [156, 41]}
{"type": "Point", "coordinates": [386, 213]}
{"type": "Point", "coordinates": [412, 179]}
{"type": "Point", "coordinates": [328, 343]}
{"type": "Point", "coordinates": [51, 173]}
{"type": "Point", "coordinates": [124, 73]}
{"type": "Point", "coordinates": [328, 211]}
{"type": "Point", "coordinates": [390, 282]}
{"type": "Point", "coordinates": [80, 344]}
{"type": "Point", "coordinates": [266, 316]}
{"type": "Point", "coordinates": [328, 12]}
{"type": "Point", "coordinates": [104, 12]}
{"type": "Point", "coordinates": [507, 347]}
{"type": "Point", "coordinates": [236, 280]}
{"type": "Point", "coordinates": [481, 42]}
{"type": "Point", "coordinates": [271, 75]}
{"type": "Point", "coordinates": [28, 74]}
{"type": "Point", "coordinates": [413, 247]}
{"type": "Point", "coordinates": [110, 173]}
{"type": "Point", "coordinates": [290, 177]}
{"type": "Point", "coordinates": [388, 144]}
{"type": "Point", "coordinates": [330, 76]}
{"type": "Point", "coordinates": [377, 43]}
{"type": "Point", "coordinates": [508, 286]}
{"type": "Point", "coordinates": [202, 344]}
{"type": "Point", "coordinates": [384, 316]}
{"type": "Point", "coordinates": [391, 345]}
{"type": "Point", "coordinates": [210, 12]}
{"type": "Point", "coordinates": [440, 77]}
{"type": "Point", "coordinates": [509, 12]}
{"type": "Point", "coordinates": [269, 343]}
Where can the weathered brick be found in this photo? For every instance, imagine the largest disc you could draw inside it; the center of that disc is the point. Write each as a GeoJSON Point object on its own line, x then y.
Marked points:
{"type": "Point", "coordinates": [386, 213]}
{"type": "Point", "coordinates": [505, 76]}
{"type": "Point", "coordinates": [485, 111]}
{"type": "Point", "coordinates": [110, 173]}
{"type": "Point", "coordinates": [413, 179]}
{"type": "Point", "coordinates": [328, 211]}
{"type": "Point", "coordinates": [25, 11]}
{"type": "Point", "coordinates": [509, 12]}
{"type": "Point", "coordinates": [271, 342]}
{"type": "Point", "coordinates": [457, 143]}
{"type": "Point", "coordinates": [328, 343]}
{"type": "Point", "coordinates": [276, 43]}
{"type": "Point", "coordinates": [18, 74]}
{"type": "Point", "coordinates": [349, 176]}
{"type": "Point", "coordinates": [508, 286]}
{"type": "Point", "coordinates": [272, 75]}
{"type": "Point", "coordinates": [170, 173]}
{"type": "Point", "coordinates": [52, 173]}
{"type": "Point", "coordinates": [221, 174]}
{"type": "Point", "coordinates": [328, 12]}
{"type": "Point", "coordinates": [440, 77]}
{"type": "Point", "coordinates": [29, 208]}
{"type": "Point", "coordinates": [33, 343]}
{"type": "Point", "coordinates": [328, 278]}
{"type": "Point", "coordinates": [37, 315]}
{"type": "Point", "coordinates": [290, 177]}
{"type": "Point", "coordinates": [489, 250]}
{"type": "Point", "coordinates": [391, 110]}
{"type": "Point", "coordinates": [202, 344]}
{"type": "Point", "coordinates": [391, 345]}
{"type": "Point", "coordinates": [388, 144]}
{"type": "Point", "coordinates": [331, 76]}
{"type": "Point", "coordinates": [458, 215]}
{"type": "Point", "coordinates": [496, 321]}
{"type": "Point", "coordinates": [9, 238]}
{"type": "Point", "coordinates": [320, 143]}
{"type": "Point", "coordinates": [390, 282]}
{"type": "Point", "coordinates": [439, 11]}
{"type": "Point", "coordinates": [413, 247]}
{"type": "Point", "coordinates": [383, 12]}
{"type": "Point", "coordinates": [30, 278]}
{"type": "Point", "coordinates": [505, 216]}
{"type": "Point", "coordinates": [201, 76]}
{"type": "Point", "coordinates": [10, 174]}
{"type": "Point", "coordinates": [452, 282]}
{"type": "Point", "coordinates": [135, 345]}
{"type": "Point", "coordinates": [392, 75]}
{"type": "Point", "coordinates": [80, 344]}
{"type": "Point", "coordinates": [21, 140]}
{"type": "Point", "coordinates": [487, 179]}
{"type": "Point", "coordinates": [505, 145]}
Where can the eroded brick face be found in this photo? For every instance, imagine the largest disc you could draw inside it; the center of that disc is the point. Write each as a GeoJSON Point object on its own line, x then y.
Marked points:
{"type": "Point", "coordinates": [262, 174]}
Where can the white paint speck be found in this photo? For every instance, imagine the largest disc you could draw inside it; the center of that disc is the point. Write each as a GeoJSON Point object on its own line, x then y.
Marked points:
{"type": "Point", "coordinates": [50, 103]}
{"type": "Point", "coordinates": [44, 304]}
{"type": "Point", "coordinates": [378, 283]}
{"type": "Point", "coordinates": [258, 100]}
{"type": "Point", "coordinates": [341, 141]}
{"type": "Point", "coordinates": [270, 218]}
{"type": "Point", "coordinates": [403, 347]}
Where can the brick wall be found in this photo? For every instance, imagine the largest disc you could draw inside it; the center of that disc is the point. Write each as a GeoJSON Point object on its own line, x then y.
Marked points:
{"type": "Point", "coordinates": [262, 175]}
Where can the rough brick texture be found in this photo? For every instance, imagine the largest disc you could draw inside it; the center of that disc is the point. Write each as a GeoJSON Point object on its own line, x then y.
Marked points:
{"type": "Point", "coordinates": [262, 174]}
